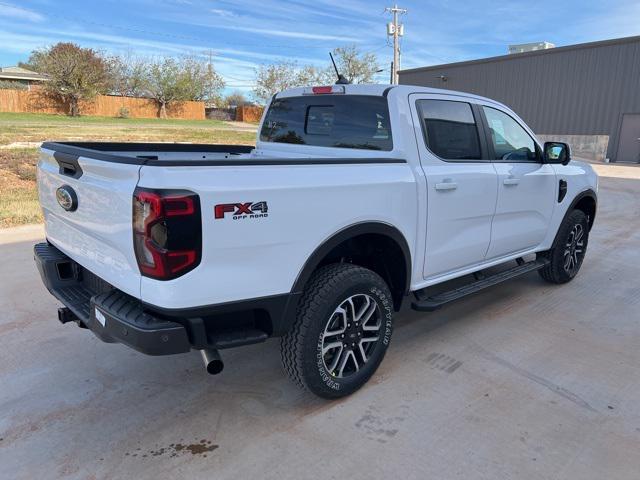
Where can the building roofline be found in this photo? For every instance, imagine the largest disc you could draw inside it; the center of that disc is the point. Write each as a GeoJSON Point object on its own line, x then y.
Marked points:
{"type": "Point", "coordinates": [23, 76]}
{"type": "Point", "coordinates": [19, 73]}
{"type": "Point", "coordinates": [515, 56]}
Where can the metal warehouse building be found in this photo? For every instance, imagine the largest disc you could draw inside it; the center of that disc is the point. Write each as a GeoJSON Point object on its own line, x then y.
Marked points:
{"type": "Point", "coordinates": [587, 95]}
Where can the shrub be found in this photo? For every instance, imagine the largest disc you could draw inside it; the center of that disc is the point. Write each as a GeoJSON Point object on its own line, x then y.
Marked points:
{"type": "Point", "coordinates": [12, 85]}
{"type": "Point", "coordinates": [123, 112]}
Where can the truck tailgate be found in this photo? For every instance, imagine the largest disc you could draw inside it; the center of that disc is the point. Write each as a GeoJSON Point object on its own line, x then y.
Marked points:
{"type": "Point", "coordinates": [98, 232]}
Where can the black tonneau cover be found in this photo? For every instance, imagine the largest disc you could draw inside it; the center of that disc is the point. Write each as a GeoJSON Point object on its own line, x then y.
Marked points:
{"type": "Point", "coordinates": [112, 151]}
{"type": "Point", "coordinates": [143, 154]}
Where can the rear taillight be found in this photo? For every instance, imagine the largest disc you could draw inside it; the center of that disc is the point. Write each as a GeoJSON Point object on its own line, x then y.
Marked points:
{"type": "Point", "coordinates": [167, 232]}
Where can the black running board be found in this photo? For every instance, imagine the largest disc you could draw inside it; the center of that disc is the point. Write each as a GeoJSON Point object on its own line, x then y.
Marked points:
{"type": "Point", "coordinates": [429, 304]}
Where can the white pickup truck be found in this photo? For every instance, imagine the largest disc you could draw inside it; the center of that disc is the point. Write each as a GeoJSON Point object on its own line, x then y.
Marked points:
{"type": "Point", "coordinates": [353, 198]}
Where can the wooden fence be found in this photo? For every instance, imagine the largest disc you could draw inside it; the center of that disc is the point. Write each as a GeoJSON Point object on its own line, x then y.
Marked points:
{"type": "Point", "coordinates": [249, 113]}
{"type": "Point", "coordinates": [36, 101]}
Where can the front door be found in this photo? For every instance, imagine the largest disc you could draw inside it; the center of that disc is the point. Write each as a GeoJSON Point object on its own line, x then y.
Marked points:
{"type": "Point", "coordinates": [527, 188]}
{"type": "Point", "coordinates": [461, 184]}
{"type": "Point", "coordinates": [629, 144]}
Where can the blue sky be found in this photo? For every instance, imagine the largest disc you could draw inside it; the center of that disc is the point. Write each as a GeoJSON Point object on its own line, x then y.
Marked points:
{"type": "Point", "coordinates": [247, 33]}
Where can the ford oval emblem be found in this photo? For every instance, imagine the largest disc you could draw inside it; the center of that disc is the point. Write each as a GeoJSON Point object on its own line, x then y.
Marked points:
{"type": "Point", "coordinates": [67, 198]}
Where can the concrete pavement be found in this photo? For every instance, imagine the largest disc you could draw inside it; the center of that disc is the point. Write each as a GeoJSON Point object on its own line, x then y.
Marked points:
{"type": "Point", "coordinates": [525, 380]}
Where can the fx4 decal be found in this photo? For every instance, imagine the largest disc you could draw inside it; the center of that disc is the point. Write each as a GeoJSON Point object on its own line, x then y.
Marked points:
{"type": "Point", "coordinates": [241, 211]}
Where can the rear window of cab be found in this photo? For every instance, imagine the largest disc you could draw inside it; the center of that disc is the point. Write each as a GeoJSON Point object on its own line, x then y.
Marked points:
{"type": "Point", "coordinates": [340, 121]}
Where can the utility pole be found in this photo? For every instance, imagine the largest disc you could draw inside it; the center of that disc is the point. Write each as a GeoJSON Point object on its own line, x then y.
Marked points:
{"type": "Point", "coordinates": [396, 30]}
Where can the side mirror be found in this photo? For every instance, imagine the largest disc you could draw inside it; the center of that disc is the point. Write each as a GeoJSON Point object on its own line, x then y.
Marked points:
{"type": "Point", "coordinates": [557, 152]}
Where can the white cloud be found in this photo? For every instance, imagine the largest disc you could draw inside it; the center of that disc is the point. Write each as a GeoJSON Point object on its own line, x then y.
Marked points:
{"type": "Point", "coordinates": [20, 13]}
{"type": "Point", "coordinates": [289, 33]}
{"type": "Point", "coordinates": [221, 12]}
{"type": "Point", "coordinates": [23, 44]}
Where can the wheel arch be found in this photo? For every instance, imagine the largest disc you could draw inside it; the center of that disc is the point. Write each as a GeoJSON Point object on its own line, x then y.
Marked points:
{"type": "Point", "coordinates": [377, 234]}
{"type": "Point", "coordinates": [587, 201]}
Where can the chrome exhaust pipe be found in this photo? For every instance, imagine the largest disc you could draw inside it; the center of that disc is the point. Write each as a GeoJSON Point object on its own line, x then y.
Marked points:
{"type": "Point", "coordinates": [212, 361]}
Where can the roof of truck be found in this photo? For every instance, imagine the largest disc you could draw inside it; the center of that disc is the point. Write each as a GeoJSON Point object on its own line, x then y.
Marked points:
{"type": "Point", "coordinates": [383, 89]}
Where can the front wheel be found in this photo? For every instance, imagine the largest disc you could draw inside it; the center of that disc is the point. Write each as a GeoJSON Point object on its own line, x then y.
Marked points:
{"type": "Point", "coordinates": [567, 254]}
{"type": "Point", "coordinates": [342, 331]}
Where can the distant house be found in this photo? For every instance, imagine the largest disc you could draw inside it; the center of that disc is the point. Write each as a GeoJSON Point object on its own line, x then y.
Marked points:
{"type": "Point", "coordinates": [22, 76]}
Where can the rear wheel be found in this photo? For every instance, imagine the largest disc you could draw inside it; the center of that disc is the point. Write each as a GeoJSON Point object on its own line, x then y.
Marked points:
{"type": "Point", "coordinates": [342, 331]}
{"type": "Point", "coordinates": [567, 254]}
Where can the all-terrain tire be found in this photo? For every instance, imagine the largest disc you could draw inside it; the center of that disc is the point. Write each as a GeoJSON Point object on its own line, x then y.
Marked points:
{"type": "Point", "coordinates": [565, 243]}
{"type": "Point", "coordinates": [328, 290]}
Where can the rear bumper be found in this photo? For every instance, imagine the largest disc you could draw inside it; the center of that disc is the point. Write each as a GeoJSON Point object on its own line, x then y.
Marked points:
{"type": "Point", "coordinates": [110, 314]}
{"type": "Point", "coordinates": [114, 316]}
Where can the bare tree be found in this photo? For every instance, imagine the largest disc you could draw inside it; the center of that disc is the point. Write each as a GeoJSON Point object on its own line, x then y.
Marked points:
{"type": "Point", "coordinates": [356, 67]}
{"type": "Point", "coordinates": [75, 73]}
{"type": "Point", "coordinates": [214, 83]}
{"type": "Point", "coordinates": [235, 99]}
{"type": "Point", "coordinates": [271, 79]}
{"type": "Point", "coordinates": [204, 82]}
{"type": "Point", "coordinates": [311, 75]}
{"type": "Point", "coordinates": [127, 74]}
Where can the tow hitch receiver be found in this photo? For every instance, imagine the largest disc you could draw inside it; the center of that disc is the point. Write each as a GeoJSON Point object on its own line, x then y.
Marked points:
{"type": "Point", "coordinates": [65, 315]}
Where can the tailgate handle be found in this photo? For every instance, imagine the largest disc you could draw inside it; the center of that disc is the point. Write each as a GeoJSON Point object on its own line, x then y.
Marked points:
{"type": "Point", "coordinates": [67, 169]}
{"type": "Point", "coordinates": [68, 164]}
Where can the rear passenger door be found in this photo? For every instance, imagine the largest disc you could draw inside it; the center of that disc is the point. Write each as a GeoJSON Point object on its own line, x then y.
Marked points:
{"type": "Point", "coordinates": [461, 183]}
{"type": "Point", "coordinates": [527, 188]}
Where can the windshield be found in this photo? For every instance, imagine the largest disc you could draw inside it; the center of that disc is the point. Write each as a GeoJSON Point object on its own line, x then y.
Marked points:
{"type": "Point", "coordinates": [342, 121]}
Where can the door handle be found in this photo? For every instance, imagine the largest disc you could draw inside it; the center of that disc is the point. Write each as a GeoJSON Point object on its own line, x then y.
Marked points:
{"type": "Point", "coordinates": [446, 184]}
{"type": "Point", "coordinates": [511, 181]}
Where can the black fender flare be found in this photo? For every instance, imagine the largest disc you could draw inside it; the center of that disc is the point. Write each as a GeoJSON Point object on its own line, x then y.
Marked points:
{"type": "Point", "coordinates": [583, 194]}
{"type": "Point", "coordinates": [345, 234]}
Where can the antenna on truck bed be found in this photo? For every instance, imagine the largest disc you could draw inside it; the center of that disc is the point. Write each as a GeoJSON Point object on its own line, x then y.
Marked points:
{"type": "Point", "coordinates": [341, 79]}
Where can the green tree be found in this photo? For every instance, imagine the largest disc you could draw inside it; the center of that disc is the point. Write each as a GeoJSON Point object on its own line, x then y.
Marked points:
{"type": "Point", "coordinates": [169, 80]}
{"type": "Point", "coordinates": [75, 73]}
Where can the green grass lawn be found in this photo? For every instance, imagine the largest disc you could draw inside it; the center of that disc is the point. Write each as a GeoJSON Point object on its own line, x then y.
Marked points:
{"type": "Point", "coordinates": [37, 128]}
{"type": "Point", "coordinates": [18, 194]}
{"type": "Point", "coordinates": [57, 119]}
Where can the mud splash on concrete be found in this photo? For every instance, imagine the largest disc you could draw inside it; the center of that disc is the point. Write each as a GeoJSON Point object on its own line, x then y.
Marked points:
{"type": "Point", "coordinates": [196, 448]}
{"type": "Point", "coordinates": [175, 449]}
